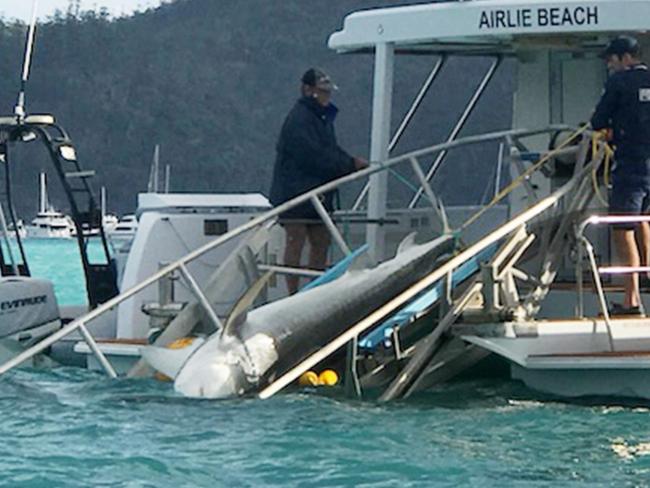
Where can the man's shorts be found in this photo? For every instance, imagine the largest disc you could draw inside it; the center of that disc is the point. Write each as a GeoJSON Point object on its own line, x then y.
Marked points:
{"type": "Point", "coordinates": [630, 194]}
{"type": "Point", "coordinates": [306, 212]}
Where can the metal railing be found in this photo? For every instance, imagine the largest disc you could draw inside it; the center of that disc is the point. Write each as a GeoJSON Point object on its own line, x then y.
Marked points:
{"type": "Point", "coordinates": [597, 271]}
{"type": "Point", "coordinates": [181, 264]}
{"type": "Point", "coordinates": [440, 273]}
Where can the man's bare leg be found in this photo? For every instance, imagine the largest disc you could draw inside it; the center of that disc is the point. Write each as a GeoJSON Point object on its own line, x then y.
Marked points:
{"type": "Point", "coordinates": [319, 243]}
{"type": "Point", "coordinates": [628, 253]}
{"type": "Point", "coordinates": [295, 240]}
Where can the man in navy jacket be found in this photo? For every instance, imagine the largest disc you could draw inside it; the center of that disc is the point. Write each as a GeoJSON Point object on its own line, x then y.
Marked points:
{"type": "Point", "coordinates": [625, 109]}
{"type": "Point", "coordinates": [307, 157]}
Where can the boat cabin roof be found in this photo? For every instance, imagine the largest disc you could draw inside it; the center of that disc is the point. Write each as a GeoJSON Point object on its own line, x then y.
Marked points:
{"type": "Point", "coordinates": [482, 27]}
{"type": "Point", "coordinates": [167, 201]}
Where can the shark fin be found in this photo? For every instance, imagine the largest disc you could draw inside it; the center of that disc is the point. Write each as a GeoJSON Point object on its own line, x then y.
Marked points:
{"type": "Point", "coordinates": [240, 310]}
{"type": "Point", "coordinates": [407, 243]}
{"type": "Point", "coordinates": [169, 361]}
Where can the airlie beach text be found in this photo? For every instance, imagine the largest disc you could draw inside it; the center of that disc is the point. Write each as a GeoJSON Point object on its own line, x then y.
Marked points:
{"type": "Point", "coordinates": [539, 17]}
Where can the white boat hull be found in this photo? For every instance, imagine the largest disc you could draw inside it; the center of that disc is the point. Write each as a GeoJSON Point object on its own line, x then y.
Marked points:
{"type": "Point", "coordinates": [633, 382]}
{"type": "Point", "coordinates": [48, 233]}
{"type": "Point", "coordinates": [574, 358]}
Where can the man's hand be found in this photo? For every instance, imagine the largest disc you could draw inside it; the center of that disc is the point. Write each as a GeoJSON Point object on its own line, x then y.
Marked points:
{"type": "Point", "coordinates": [360, 163]}
{"type": "Point", "coordinates": [608, 134]}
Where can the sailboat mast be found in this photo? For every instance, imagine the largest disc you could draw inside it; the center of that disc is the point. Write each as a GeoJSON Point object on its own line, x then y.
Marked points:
{"type": "Point", "coordinates": [167, 176]}
{"type": "Point", "coordinates": [42, 193]}
{"type": "Point", "coordinates": [156, 168]}
{"type": "Point", "coordinates": [152, 186]}
{"type": "Point", "coordinates": [102, 202]}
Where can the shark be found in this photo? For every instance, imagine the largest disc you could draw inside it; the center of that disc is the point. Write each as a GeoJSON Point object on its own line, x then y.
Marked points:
{"type": "Point", "coordinates": [255, 346]}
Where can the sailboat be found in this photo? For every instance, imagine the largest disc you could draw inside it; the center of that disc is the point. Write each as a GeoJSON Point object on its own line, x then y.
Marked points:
{"type": "Point", "coordinates": [49, 223]}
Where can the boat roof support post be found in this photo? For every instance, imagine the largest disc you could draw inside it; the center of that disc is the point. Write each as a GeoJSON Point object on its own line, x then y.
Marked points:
{"type": "Point", "coordinates": [379, 140]}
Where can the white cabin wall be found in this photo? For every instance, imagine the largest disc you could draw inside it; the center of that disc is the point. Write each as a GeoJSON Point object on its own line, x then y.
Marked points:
{"type": "Point", "coordinates": [531, 109]}
{"type": "Point", "coordinates": [553, 88]}
{"type": "Point", "coordinates": [164, 237]}
{"type": "Point", "coordinates": [583, 81]}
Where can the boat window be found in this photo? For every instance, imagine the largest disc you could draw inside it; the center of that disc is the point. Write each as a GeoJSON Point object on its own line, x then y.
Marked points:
{"type": "Point", "coordinates": [215, 227]}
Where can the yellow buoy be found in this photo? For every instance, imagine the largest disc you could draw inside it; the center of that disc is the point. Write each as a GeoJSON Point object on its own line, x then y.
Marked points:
{"type": "Point", "coordinates": [308, 378]}
{"type": "Point", "coordinates": [328, 378]}
{"type": "Point", "coordinates": [181, 343]}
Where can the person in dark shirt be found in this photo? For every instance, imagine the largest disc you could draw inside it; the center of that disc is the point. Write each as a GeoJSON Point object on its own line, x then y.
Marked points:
{"type": "Point", "coordinates": [309, 156]}
{"type": "Point", "coordinates": [624, 108]}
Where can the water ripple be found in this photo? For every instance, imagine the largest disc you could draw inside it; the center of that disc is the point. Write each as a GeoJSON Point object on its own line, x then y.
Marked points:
{"type": "Point", "coordinates": [69, 427]}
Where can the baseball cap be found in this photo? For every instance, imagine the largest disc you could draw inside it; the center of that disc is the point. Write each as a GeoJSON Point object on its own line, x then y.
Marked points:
{"type": "Point", "coordinates": [621, 45]}
{"type": "Point", "coordinates": [318, 78]}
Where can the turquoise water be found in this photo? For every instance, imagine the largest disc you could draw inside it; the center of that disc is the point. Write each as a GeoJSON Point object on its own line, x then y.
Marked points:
{"type": "Point", "coordinates": [74, 428]}
{"type": "Point", "coordinates": [59, 261]}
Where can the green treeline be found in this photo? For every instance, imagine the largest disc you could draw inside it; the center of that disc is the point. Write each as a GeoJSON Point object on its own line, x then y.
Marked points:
{"type": "Point", "coordinates": [211, 81]}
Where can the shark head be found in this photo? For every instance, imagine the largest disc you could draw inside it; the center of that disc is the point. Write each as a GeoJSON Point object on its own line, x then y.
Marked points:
{"type": "Point", "coordinates": [225, 367]}
{"type": "Point", "coordinates": [216, 380]}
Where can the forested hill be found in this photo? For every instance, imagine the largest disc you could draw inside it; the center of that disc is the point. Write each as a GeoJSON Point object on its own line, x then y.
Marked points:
{"type": "Point", "coordinates": [211, 81]}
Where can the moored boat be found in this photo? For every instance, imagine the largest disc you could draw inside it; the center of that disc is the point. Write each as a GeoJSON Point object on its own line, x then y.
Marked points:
{"type": "Point", "coordinates": [511, 287]}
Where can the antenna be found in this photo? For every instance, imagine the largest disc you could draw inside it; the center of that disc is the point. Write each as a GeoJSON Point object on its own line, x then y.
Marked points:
{"type": "Point", "coordinates": [42, 194]}
{"type": "Point", "coordinates": [19, 110]}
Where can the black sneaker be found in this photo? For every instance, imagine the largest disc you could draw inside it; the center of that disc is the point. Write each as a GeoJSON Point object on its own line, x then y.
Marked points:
{"type": "Point", "coordinates": [617, 309]}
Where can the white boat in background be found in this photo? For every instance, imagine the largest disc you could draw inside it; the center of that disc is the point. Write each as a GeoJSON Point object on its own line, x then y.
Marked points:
{"type": "Point", "coordinates": [110, 222]}
{"type": "Point", "coordinates": [49, 223]}
{"type": "Point", "coordinates": [124, 229]}
{"type": "Point", "coordinates": [21, 230]}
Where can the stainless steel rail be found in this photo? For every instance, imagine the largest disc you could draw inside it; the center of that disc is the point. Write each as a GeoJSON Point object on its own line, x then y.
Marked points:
{"type": "Point", "coordinates": [440, 273]}
{"type": "Point", "coordinates": [596, 271]}
{"type": "Point", "coordinates": [260, 220]}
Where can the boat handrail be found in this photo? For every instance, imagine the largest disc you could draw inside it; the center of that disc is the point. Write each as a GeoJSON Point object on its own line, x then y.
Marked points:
{"type": "Point", "coordinates": [312, 195]}
{"type": "Point", "coordinates": [610, 219]}
{"type": "Point", "coordinates": [596, 270]}
{"type": "Point", "coordinates": [439, 273]}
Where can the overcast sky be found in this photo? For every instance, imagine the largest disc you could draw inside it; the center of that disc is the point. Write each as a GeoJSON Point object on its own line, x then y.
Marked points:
{"type": "Point", "coordinates": [22, 9]}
